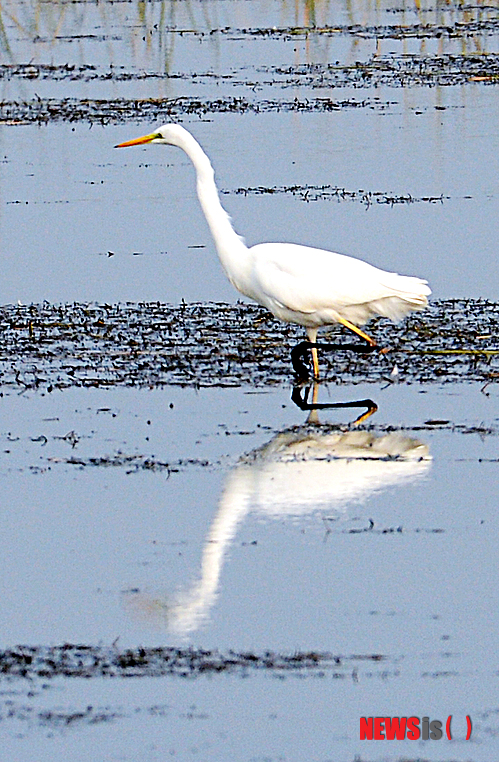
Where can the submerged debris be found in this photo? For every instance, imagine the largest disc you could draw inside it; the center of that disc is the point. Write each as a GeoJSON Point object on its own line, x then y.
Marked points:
{"type": "Point", "coordinates": [332, 192]}
{"type": "Point", "coordinates": [132, 463]}
{"type": "Point", "coordinates": [456, 29]}
{"type": "Point", "coordinates": [45, 110]}
{"type": "Point", "coordinates": [86, 661]}
{"type": "Point", "coordinates": [47, 347]}
{"type": "Point", "coordinates": [394, 70]}
{"type": "Point", "coordinates": [403, 70]}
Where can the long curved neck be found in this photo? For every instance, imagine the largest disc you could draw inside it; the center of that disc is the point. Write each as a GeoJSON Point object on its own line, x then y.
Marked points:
{"type": "Point", "coordinates": [231, 249]}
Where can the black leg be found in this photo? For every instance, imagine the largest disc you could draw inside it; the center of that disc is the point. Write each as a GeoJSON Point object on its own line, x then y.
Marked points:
{"type": "Point", "coordinates": [298, 353]}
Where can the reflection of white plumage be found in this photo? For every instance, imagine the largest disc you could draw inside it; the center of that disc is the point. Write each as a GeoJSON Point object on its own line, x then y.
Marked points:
{"type": "Point", "coordinates": [300, 471]}
{"type": "Point", "coordinates": [298, 284]}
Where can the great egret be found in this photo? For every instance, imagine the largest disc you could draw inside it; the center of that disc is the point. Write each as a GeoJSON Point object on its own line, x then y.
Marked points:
{"type": "Point", "coordinates": [298, 284]}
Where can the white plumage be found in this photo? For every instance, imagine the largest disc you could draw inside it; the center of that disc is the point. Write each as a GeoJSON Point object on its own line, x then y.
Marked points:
{"type": "Point", "coordinates": [298, 284]}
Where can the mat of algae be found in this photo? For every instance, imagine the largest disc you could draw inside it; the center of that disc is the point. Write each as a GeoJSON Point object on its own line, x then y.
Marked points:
{"type": "Point", "coordinates": [251, 89]}
{"type": "Point", "coordinates": [44, 346]}
{"type": "Point", "coordinates": [392, 70]}
{"type": "Point", "coordinates": [73, 660]}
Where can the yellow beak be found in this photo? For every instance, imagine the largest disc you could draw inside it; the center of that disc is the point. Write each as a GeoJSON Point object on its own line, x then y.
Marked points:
{"type": "Point", "coordinates": [138, 141]}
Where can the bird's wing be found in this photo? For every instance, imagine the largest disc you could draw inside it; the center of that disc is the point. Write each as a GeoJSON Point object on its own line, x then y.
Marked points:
{"type": "Point", "coordinates": [306, 279]}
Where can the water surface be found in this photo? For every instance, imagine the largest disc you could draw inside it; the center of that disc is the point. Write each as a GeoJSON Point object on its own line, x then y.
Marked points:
{"type": "Point", "coordinates": [218, 516]}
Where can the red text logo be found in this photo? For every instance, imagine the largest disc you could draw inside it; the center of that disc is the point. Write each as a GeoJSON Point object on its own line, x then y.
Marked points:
{"type": "Point", "coordinates": [410, 728]}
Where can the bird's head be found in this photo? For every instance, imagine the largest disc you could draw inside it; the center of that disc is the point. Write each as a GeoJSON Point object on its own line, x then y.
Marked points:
{"type": "Point", "coordinates": [168, 134]}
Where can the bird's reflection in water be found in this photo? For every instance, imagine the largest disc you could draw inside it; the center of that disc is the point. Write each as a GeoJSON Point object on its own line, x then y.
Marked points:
{"type": "Point", "coordinates": [301, 397]}
{"type": "Point", "coordinates": [303, 469]}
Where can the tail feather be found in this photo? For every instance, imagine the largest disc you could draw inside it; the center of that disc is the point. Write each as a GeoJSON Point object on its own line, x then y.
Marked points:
{"type": "Point", "coordinates": [407, 295]}
{"type": "Point", "coordinates": [397, 307]}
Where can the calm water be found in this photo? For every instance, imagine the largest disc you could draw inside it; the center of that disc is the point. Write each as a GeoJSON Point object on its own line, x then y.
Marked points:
{"type": "Point", "coordinates": [68, 198]}
{"type": "Point", "coordinates": [256, 537]}
{"type": "Point", "coordinates": [252, 553]}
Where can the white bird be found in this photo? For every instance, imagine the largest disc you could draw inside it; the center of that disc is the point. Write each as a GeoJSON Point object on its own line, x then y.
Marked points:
{"type": "Point", "coordinates": [298, 284]}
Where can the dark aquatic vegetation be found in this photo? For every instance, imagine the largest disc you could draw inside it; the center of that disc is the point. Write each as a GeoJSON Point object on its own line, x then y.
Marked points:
{"type": "Point", "coordinates": [88, 661]}
{"type": "Point", "coordinates": [310, 193]}
{"type": "Point", "coordinates": [106, 111]}
{"type": "Point", "coordinates": [46, 346]}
